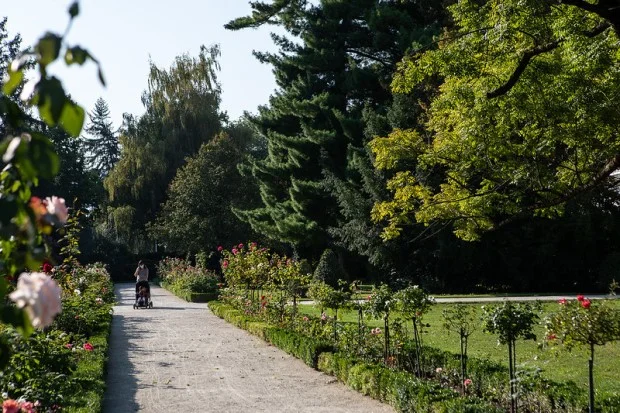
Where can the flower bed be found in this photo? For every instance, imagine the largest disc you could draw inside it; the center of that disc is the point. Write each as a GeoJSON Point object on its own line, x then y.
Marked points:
{"type": "Point", "coordinates": [62, 367]}
{"type": "Point", "coordinates": [191, 283]}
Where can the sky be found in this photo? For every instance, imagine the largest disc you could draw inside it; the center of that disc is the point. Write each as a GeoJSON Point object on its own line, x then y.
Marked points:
{"type": "Point", "coordinates": [124, 34]}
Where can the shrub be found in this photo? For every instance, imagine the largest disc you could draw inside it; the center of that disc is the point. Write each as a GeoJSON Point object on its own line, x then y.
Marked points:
{"type": "Point", "coordinates": [329, 270]}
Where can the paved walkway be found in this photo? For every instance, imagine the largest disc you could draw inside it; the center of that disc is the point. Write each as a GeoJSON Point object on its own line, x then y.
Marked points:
{"type": "Point", "coordinates": [179, 357]}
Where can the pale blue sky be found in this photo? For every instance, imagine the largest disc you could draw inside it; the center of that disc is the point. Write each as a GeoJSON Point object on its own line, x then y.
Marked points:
{"type": "Point", "coordinates": [122, 34]}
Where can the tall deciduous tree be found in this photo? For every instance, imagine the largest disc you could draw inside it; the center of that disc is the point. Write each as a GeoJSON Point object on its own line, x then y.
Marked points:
{"type": "Point", "coordinates": [102, 147]}
{"type": "Point", "coordinates": [197, 214]}
{"type": "Point", "coordinates": [182, 113]}
{"type": "Point", "coordinates": [525, 118]}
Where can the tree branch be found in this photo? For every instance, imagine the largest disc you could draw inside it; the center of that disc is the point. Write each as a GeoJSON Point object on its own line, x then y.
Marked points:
{"type": "Point", "coordinates": [532, 53]}
{"type": "Point", "coordinates": [610, 167]}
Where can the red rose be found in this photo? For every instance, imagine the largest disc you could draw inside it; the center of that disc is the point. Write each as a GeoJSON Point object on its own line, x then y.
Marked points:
{"type": "Point", "coordinates": [586, 304]}
{"type": "Point", "coordinates": [562, 301]}
{"type": "Point", "coordinates": [47, 267]}
{"type": "Point", "coordinates": [580, 298]}
{"type": "Point", "coordinates": [551, 336]}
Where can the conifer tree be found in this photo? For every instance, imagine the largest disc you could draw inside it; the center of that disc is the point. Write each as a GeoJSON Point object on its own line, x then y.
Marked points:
{"type": "Point", "coordinates": [341, 65]}
{"type": "Point", "coordinates": [101, 146]}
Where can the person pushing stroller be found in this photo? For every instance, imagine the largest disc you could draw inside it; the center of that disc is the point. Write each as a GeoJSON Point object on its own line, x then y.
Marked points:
{"type": "Point", "coordinates": [142, 279]}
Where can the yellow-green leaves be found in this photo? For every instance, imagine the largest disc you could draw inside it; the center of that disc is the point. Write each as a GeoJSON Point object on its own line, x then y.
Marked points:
{"type": "Point", "coordinates": [522, 119]}
{"type": "Point", "coordinates": [400, 145]}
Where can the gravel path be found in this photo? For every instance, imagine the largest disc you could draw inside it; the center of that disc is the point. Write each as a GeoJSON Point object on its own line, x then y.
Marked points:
{"type": "Point", "coordinates": [180, 357]}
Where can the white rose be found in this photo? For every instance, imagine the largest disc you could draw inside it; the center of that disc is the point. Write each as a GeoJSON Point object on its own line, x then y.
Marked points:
{"type": "Point", "coordinates": [39, 294]}
{"type": "Point", "coordinates": [56, 206]}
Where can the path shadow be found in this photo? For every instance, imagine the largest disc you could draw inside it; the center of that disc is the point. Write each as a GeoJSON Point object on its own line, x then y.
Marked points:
{"type": "Point", "coordinates": [121, 382]}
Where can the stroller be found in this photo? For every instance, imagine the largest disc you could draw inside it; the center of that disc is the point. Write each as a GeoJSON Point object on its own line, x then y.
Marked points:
{"type": "Point", "coordinates": [143, 295]}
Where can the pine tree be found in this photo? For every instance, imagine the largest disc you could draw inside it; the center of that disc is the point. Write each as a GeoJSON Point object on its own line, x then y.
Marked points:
{"type": "Point", "coordinates": [101, 146]}
{"type": "Point", "coordinates": [342, 64]}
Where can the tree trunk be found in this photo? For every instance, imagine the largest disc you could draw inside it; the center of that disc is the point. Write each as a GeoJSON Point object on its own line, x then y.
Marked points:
{"type": "Point", "coordinates": [511, 375]}
{"type": "Point", "coordinates": [591, 377]}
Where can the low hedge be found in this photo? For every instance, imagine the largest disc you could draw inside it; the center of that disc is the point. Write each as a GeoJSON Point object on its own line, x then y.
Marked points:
{"type": "Point", "coordinates": [400, 389]}
{"type": "Point", "coordinates": [305, 348]}
{"type": "Point", "coordinates": [188, 295]}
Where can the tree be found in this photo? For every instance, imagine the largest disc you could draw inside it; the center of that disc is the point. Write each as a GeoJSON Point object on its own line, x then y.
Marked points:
{"type": "Point", "coordinates": [102, 148]}
{"type": "Point", "coordinates": [584, 323]}
{"type": "Point", "coordinates": [197, 214]}
{"type": "Point", "coordinates": [182, 113]}
{"type": "Point", "coordinates": [341, 65]}
{"type": "Point", "coordinates": [522, 123]}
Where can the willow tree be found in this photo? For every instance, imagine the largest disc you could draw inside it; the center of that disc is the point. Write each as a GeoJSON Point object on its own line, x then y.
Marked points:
{"type": "Point", "coordinates": [182, 112]}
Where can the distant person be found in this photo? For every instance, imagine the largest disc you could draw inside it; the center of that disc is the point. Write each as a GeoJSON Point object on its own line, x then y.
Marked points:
{"type": "Point", "coordinates": [142, 276]}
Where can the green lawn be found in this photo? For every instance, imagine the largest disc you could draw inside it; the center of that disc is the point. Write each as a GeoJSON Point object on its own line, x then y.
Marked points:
{"type": "Point", "coordinates": [556, 363]}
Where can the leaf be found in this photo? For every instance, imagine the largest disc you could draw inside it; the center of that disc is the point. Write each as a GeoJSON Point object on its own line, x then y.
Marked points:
{"type": "Point", "coordinates": [48, 48]}
{"type": "Point", "coordinates": [42, 156]}
{"type": "Point", "coordinates": [74, 10]}
{"type": "Point", "coordinates": [76, 55]}
{"type": "Point", "coordinates": [100, 74]}
{"type": "Point", "coordinates": [15, 79]}
{"type": "Point", "coordinates": [72, 119]}
{"type": "Point", "coordinates": [51, 99]}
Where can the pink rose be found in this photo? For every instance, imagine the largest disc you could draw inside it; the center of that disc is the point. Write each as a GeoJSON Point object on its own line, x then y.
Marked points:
{"type": "Point", "coordinates": [56, 206]}
{"type": "Point", "coordinates": [306, 318]}
{"type": "Point", "coordinates": [39, 294]}
{"type": "Point", "coordinates": [88, 347]}
{"type": "Point", "coordinates": [562, 301]}
{"type": "Point", "coordinates": [10, 406]}
{"type": "Point", "coordinates": [220, 248]}
{"type": "Point", "coordinates": [467, 382]}
{"type": "Point", "coordinates": [235, 251]}
{"type": "Point", "coordinates": [27, 407]}
{"type": "Point", "coordinates": [240, 246]}
{"type": "Point", "coordinates": [69, 346]}
{"type": "Point", "coordinates": [225, 264]}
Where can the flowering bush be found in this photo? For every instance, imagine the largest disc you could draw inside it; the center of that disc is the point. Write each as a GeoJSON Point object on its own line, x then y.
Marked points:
{"type": "Point", "coordinates": [181, 276]}
{"type": "Point", "coordinates": [580, 322]}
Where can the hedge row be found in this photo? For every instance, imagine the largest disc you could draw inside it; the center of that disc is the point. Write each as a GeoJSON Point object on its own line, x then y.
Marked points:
{"type": "Point", "coordinates": [187, 295]}
{"type": "Point", "coordinates": [400, 389]}
{"type": "Point", "coordinates": [305, 348]}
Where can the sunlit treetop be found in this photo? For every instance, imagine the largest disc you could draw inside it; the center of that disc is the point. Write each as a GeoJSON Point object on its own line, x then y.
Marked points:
{"type": "Point", "coordinates": [525, 117]}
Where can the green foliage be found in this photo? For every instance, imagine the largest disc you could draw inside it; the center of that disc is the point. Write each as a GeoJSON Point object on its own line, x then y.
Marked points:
{"type": "Point", "coordinates": [496, 146]}
{"type": "Point", "coordinates": [329, 269]}
{"type": "Point", "coordinates": [182, 113]}
{"type": "Point", "coordinates": [101, 144]}
{"type": "Point", "coordinates": [198, 211]}
{"type": "Point", "coordinates": [314, 124]}
{"type": "Point", "coordinates": [584, 323]}
{"type": "Point", "coordinates": [183, 279]}
{"type": "Point", "coordinates": [306, 348]}
{"type": "Point", "coordinates": [28, 156]}
{"type": "Point", "coordinates": [510, 321]}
